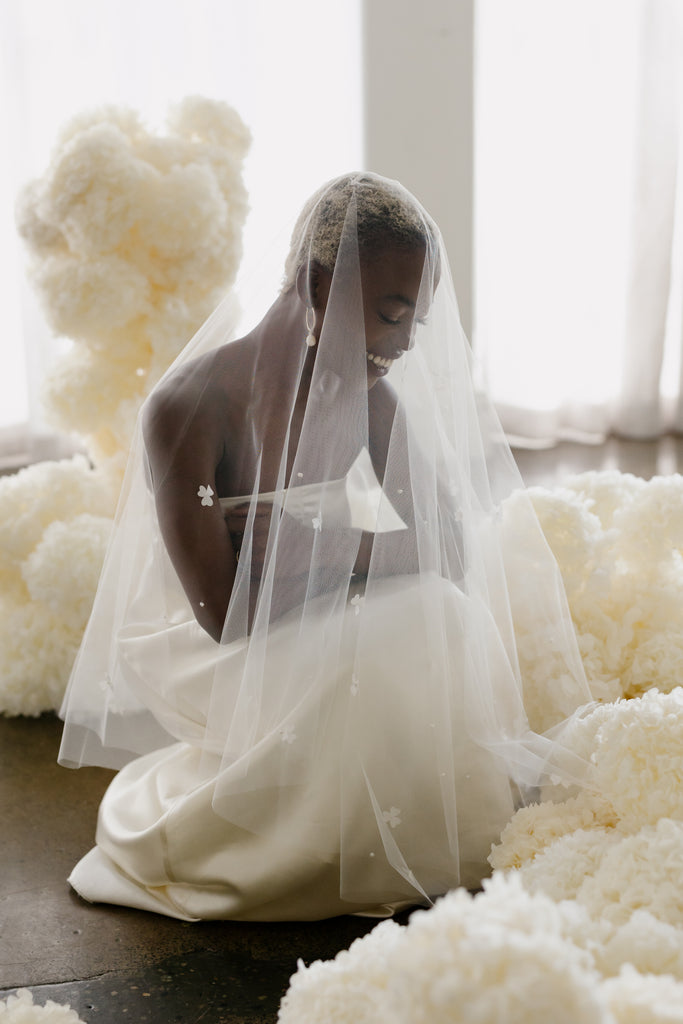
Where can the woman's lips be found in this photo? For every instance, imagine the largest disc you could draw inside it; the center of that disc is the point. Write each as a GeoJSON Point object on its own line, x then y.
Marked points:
{"type": "Point", "coordinates": [380, 364]}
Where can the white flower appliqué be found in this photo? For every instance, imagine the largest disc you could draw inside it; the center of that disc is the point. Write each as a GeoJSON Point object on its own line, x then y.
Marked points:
{"type": "Point", "coordinates": [392, 817]}
{"type": "Point", "coordinates": [317, 523]}
{"type": "Point", "coordinates": [287, 734]}
{"type": "Point", "coordinates": [206, 494]}
{"type": "Point", "coordinates": [357, 601]}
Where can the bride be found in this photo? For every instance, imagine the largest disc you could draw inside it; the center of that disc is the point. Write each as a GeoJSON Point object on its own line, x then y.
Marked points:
{"type": "Point", "coordinates": [302, 653]}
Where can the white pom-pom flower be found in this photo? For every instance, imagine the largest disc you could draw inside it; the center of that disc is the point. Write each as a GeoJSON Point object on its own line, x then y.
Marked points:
{"type": "Point", "coordinates": [635, 998]}
{"type": "Point", "coordinates": [36, 654]}
{"type": "Point", "coordinates": [134, 238]}
{"type": "Point", "coordinates": [50, 558]}
{"type": "Point", "coordinates": [650, 945]}
{"type": "Point", "coordinates": [63, 570]}
{"type": "Point", "coordinates": [642, 872]}
{"type": "Point", "coordinates": [126, 229]}
{"type": "Point", "coordinates": [34, 497]}
{"type": "Point", "coordinates": [532, 829]}
{"type": "Point", "coordinates": [639, 758]}
{"type": "Point", "coordinates": [561, 868]}
{"type": "Point", "coordinates": [619, 544]}
{"type": "Point", "coordinates": [351, 989]}
{"type": "Point", "coordinates": [20, 1009]}
{"type": "Point", "coordinates": [503, 956]}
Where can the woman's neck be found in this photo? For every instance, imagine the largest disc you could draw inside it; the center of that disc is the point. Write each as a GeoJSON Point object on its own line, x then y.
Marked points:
{"type": "Point", "coordinates": [281, 336]}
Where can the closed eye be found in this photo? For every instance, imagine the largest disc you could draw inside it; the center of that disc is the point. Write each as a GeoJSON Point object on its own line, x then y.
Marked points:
{"type": "Point", "coordinates": [388, 320]}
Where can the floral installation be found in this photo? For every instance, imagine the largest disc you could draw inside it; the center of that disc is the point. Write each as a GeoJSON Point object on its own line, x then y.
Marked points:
{"type": "Point", "coordinates": [619, 543]}
{"type": "Point", "coordinates": [55, 520]}
{"type": "Point", "coordinates": [20, 1009]}
{"type": "Point", "coordinates": [133, 239]}
{"type": "Point", "coordinates": [502, 955]}
{"type": "Point", "coordinates": [582, 919]}
{"type": "Point", "coordinates": [619, 854]}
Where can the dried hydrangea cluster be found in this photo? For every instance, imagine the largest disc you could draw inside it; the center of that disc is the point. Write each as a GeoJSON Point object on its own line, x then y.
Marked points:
{"type": "Point", "coordinates": [620, 854]}
{"type": "Point", "coordinates": [583, 919]}
{"type": "Point", "coordinates": [133, 238]}
{"type": "Point", "coordinates": [503, 955]}
{"type": "Point", "coordinates": [619, 543]}
{"type": "Point", "coordinates": [55, 520]}
{"type": "Point", "coordinates": [20, 1009]}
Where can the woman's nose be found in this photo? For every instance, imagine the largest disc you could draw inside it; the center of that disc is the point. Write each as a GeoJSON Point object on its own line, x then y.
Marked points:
{"type": "Point", "coordinates": [406, 340]}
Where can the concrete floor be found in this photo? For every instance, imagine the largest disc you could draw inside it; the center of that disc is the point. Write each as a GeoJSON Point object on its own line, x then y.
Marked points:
{"type": "Point", "coordinates": [113, 964]}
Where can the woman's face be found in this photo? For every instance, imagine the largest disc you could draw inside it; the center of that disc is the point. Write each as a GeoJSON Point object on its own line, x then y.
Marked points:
{"type": "Point", "coordinates": [391, 286]}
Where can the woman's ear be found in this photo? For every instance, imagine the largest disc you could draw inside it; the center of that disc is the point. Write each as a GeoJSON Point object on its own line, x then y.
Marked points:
{"type": "Point", "coordinates": [313, 285]}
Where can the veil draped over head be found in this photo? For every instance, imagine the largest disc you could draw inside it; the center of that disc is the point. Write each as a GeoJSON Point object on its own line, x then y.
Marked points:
{"type": "Point", "coordinates": [390, 601]}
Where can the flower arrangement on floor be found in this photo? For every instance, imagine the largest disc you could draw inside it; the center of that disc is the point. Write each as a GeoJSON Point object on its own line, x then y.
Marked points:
{"type": "Point", "coordinates": [20, 1009]}
{"type": "Point", "coordinates": [503, 955]}
{"type": "Point", "coordinates": [619, 542]}
{"type": "Point", "coordinates": [583, 918]}
{"type": "Point", "coordinates": [133, 238]}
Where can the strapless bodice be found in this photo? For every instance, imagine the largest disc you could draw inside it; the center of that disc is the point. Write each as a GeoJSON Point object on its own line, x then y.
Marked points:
{"type": "Point", "coordinates": [357, 500]}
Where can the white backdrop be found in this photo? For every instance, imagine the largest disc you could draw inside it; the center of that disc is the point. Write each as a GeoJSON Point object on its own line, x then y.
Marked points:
{"type": "Point", "coordinates": [575, 178]}
{"type": "Point", "coordinates": [577, 222]}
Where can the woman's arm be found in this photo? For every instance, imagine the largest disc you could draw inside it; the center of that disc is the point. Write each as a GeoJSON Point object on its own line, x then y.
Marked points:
{"type": "Point", "coordinates": [184, 443]}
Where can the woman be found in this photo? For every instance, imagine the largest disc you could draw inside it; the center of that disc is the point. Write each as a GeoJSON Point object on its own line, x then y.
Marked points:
{"type": "Point", "coordinates": [305, 628]}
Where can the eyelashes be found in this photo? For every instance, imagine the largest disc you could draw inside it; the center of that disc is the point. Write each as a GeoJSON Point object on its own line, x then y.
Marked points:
{"type": "Point", "coordinates": [396, 323]}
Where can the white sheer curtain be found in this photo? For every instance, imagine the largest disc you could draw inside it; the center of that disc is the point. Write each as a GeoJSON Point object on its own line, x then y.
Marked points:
{"type": "Point", "coordinates": [578, 215]}
{"type": "Point", "coordinates": [291, 70]}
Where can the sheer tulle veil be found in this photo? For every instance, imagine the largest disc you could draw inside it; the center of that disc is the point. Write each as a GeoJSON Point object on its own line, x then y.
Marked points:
{"type": "Point", "coordinates": [400, 688]}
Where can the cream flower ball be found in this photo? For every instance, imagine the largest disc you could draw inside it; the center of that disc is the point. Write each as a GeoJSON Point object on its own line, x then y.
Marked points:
{"type": "Point", "coordinates": [20, 1009]}
{"type": "Point", "coordinates": [63, 569]}
{"type": "Point", "coordinates": [134, 238]}
{"type": "Point", "coordinates": [504, 955]}
{"type": "Point", "coordinates": [639, 758]}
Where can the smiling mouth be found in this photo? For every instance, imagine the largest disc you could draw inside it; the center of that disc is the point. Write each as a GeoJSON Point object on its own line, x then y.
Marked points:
{"type": "Point", "coordinates": [379, 361]}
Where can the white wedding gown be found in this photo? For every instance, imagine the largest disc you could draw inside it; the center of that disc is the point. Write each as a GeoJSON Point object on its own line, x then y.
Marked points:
{"type": "Point", "coordinates": [274, 853]}
{"type": "Point", "coordinates": [361, 752]}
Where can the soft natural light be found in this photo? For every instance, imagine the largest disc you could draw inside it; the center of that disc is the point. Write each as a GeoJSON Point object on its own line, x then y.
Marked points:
{"type": "Point", "coordinates": [291, 70]}
{"type": "Point", "coordinates": [555, 102]}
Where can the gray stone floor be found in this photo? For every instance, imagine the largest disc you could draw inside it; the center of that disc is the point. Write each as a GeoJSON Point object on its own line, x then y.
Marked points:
{"type": "Point", "coordinates": [113, 964]}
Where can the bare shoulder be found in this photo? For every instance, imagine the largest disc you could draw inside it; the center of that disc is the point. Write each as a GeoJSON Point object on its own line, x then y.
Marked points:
{"type": "Point", "coordinates": [196, 390]}
{"type": "Point", "coordinates": [190, 410]}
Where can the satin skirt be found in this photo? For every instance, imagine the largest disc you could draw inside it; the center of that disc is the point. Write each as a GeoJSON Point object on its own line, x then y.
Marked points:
{"type": "Point", "coordinates": [381, 819]}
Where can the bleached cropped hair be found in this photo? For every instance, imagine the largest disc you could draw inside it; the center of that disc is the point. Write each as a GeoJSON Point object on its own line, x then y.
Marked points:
{"type": "Point", "coordinates": [386, 214]}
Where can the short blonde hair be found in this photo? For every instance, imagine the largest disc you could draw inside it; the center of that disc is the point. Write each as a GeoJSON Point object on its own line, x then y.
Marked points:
{"type": "Point", "coordinates": [386, 214]}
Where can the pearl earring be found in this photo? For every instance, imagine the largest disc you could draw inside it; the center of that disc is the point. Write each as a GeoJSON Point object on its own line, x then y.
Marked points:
{"type": "Point", "coordinates": [311, 339]}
